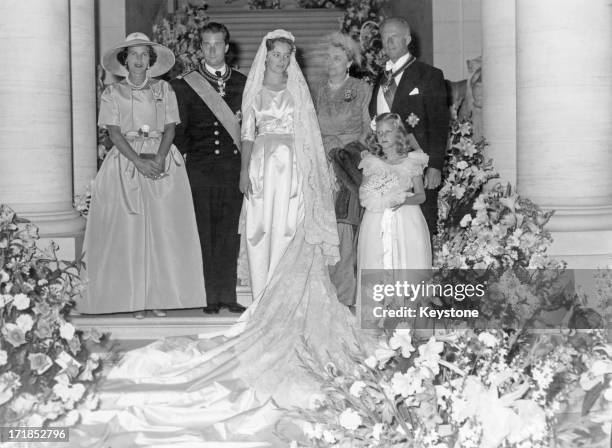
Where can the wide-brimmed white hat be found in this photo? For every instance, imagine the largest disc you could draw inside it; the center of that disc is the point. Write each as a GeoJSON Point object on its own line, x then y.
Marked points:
{"type": "Point", "coordinates": [164, 62]}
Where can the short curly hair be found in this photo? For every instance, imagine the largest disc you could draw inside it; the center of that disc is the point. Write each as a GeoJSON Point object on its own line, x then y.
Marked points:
{"type": "Point", "coordinates": [122, 56]}
{"type": "Point", "coordinates": [403, 145]}
{"type": "Point", "coordinates": [347, 44]}
{"type": "Point", "coordinates": [270, 43]}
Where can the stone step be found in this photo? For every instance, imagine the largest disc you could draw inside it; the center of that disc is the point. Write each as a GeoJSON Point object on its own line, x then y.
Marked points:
{"type": "Point", "coordinates": [177, 323]}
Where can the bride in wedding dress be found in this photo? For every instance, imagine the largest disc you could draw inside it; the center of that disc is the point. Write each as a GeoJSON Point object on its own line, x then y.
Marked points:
{"type": "Point", "coordinates": [229, 390]}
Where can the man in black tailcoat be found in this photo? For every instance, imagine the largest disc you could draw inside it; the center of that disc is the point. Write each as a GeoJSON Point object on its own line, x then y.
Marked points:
{"type": "Point", "coordinates": [213, 162]}
{"type": "Point", "coordinates": [417, 93]}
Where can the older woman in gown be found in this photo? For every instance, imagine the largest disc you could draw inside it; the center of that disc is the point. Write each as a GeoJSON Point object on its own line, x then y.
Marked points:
{"type": "Point", "coordinates": [342, 108]}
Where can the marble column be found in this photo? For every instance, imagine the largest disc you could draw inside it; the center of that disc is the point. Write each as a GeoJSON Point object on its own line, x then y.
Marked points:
{"type": "Point", "coordinates": [499, 85]}
{"type": "Point", "coordinates": [83, 77]}
{"type": "Point", "coordinates": [35, 117]}
{"type": "Point", "coordinates": [564, 105]}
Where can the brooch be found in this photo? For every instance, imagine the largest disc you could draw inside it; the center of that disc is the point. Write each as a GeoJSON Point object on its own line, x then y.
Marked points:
{"type": "Point", "coordinates": [144, 130]}
{"type": "Point", "coordinates": [349, 95]}
{"type": "Point", "coordinates": [412, 119]}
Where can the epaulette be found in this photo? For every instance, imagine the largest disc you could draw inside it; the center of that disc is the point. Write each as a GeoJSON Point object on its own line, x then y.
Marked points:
{"type": "Point", "coordinates": [186, 72]}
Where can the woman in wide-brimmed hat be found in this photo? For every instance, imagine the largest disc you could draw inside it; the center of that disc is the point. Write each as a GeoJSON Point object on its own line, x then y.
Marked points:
{"type": "Point", "coordinates": [141, 243]}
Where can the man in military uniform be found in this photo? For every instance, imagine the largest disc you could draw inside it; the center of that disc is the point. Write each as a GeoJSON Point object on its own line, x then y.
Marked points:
{"type": "Point", "coordinates": [209, 102]}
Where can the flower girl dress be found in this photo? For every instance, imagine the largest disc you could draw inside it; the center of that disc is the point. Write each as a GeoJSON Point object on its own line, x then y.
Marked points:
{"type": "Point", "coordinates": [392, 239]}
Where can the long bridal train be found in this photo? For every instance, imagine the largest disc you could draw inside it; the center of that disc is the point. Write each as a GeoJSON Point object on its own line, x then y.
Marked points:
{"type": "Point", "coordinates": [226, 388]}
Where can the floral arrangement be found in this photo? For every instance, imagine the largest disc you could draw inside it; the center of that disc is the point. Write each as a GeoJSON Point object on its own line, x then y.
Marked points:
{"type": "Point", "coordinates": [466, 389]}
{"type": "Point", "coordinates": [482, 229]}
{"type": "Point", "coordinates": [180, 32]}
{"type": "Point", "coordinates": [45, 371]}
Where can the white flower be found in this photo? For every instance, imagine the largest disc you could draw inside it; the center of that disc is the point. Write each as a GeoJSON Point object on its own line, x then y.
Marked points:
{"type": "Point", "coordinates": [383, 353]}
{"type": "Point", "coordinates": [406, 384]}
{"type": "Point", "coordinates": [312, 431]}
{"type": "Point", "coordinates": [465, 220]}
{"type": "Point", "coordinates": [39, 362]}
{"type": "Point", "coordinates": [68, 393]}
{"type": "Point", "coordinates": [487, 339]}
{"type": "Point", "coordinates": [21, 301]}
{"type": "Point", "coordinates": [3, 357]}
{"type": "Point", "coordinates": [377, 431]}
{"type": "Point", "coordinates": [9, 381]}
{"type": "Point", "coordinates": [14, 335]}
{"type": "Point", "coordinates": [371, 362]}
{"type": "Point", "coordinates": [429, 354]}
{"type": "Point", "coordinates": [462, 165]}
{"type": "Point", "coordinates": [35, 421]}
{"type": "Point", "coordinates": [401, 338]}
{"type": "Point", "coordinates": [25, 322]}
{"type": "Point", "coordinates": [350, 419]}
{"type": "Point", "coordinates": [329, 436]}
{"type": "Point", "coordinates": [23, 404]}
{"type": "Point", "coordinates": [373, 124]}
{"type": "Point", "coordinates": [458, 191]}
{"type": "Point", "coordinates": [67, 331]}
{"type": "Point", "coordinates": [356, 388]}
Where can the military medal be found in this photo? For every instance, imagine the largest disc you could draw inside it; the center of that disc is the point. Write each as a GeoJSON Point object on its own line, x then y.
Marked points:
{"type": "Point", "coordinates": [221, 84]}
{"type": "Point", "coordinates": [218, 79]}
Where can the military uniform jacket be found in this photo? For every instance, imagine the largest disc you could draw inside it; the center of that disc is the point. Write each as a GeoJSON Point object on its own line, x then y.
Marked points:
{"type": "Point", "coordinates": [200, 134]}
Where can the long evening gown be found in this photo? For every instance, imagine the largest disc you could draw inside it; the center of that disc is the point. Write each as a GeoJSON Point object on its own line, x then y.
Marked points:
{"type": "Point", "coordinates": [343, 118]}
{"type": "Point", "coordinates": [227, 390]}
{"type": "Point", "coordinates": [141, 242]}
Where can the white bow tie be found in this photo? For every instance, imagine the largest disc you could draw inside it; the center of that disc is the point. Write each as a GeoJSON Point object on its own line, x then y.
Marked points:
{"type": "Point", "coordinates": [389, 65]}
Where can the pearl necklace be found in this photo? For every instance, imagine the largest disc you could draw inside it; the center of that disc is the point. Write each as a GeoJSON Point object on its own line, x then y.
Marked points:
{"type": "Point", "coordinates": [136, 86]}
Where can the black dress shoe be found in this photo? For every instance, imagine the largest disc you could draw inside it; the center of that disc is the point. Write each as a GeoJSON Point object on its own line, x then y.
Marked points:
{"type": "Point", "coordinates": [213, 308]}
{"type": "Point", "coordinates": [236, 308]}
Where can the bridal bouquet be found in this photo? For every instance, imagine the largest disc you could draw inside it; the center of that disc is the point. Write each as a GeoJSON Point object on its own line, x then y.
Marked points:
{"type": "Point", "coordinates": [45, 372]}
{"type": "Point", "coordinates": [466, 389]}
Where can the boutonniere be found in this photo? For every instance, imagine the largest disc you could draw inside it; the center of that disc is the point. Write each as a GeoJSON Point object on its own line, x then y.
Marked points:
{"type": "Point", "coordinates": [239, 115]}
{"type": "Point", "coordinates": [412, 119]}
{"type": "Point", "coordinates": [373, 124]}
{"type": "Point", "coordinates": [349, 95]}
{"type": "Point", "coordinates": [144, 130]}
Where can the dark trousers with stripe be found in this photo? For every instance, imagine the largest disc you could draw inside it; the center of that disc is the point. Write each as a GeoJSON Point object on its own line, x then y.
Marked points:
{"type": "Point", "coordinates": [217, 210]}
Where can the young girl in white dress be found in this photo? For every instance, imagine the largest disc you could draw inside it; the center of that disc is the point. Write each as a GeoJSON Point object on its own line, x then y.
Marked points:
{"type": "Point", "coordinates": [393, 233]}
